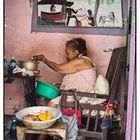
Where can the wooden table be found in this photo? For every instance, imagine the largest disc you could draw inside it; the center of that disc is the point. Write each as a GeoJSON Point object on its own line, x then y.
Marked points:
{"type": "Point", "coordinates": [59, 128]}
{"type": "Point", "coordinates": [29, 87]}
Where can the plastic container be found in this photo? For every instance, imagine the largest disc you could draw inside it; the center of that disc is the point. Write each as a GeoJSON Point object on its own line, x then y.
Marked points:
{"type": "Point", "coordinates": [5, 66]}
{"type": "Point", "coordinates": [47, 90]}
{"type": "Point", "coordinates": [12, 65]}
{"type": "Point", "coordinates": [13, 129]}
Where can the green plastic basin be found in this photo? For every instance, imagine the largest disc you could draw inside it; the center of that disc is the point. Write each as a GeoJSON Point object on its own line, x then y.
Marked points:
{"type": "Point", "coordinates": [47, 90]}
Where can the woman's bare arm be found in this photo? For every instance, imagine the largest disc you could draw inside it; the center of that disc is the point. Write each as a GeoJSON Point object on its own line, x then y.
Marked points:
{"type": "Point", "coordinates": [71, 66]}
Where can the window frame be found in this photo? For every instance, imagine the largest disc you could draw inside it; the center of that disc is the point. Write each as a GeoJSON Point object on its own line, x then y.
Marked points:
{"type": "Point", "coordinates": [115, 31]}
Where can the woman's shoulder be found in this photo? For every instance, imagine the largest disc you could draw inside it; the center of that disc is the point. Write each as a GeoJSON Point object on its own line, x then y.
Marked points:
{"type": "Point", "coordinates": [81, 60]}
{"type": "Point", "coordinates": [89, 59]}
{"type": "Point", "coordinates": [85, 57]}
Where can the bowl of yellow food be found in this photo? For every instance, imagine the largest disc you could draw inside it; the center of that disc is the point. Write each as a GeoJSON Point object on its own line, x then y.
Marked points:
{"type": "Point", "coordinates": [38, 117]}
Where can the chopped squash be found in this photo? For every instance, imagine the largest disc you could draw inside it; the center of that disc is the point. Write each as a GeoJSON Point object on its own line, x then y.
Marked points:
{"type": "Point", "coordinates": [43, 116]}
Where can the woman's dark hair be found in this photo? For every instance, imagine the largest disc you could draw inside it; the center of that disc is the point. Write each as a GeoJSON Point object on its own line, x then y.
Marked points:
{"type": "Point", "coordinates": [81, 46]}
{"type": "Point", "coordinates": [78, 44]}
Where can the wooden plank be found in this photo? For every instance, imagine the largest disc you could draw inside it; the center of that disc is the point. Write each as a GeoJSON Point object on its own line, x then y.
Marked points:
{"type": "Point", "coordinates": [90, 134]}
{"type": "Point", "coordinates": [86, 106]}
{"type": "Point", "coordinates": [85, 94]}
{"type": "Point", "coordinates": [96, 121]}
{"type": "Point", "coordinates": [88, 120]}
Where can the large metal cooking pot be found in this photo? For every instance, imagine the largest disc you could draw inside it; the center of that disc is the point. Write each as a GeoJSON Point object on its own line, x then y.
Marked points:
{"type": "Point", "coordinates": [28, 64]}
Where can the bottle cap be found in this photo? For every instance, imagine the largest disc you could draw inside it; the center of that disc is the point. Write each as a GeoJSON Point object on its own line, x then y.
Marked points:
{"type": "Point", "coordinates": [14, 120]}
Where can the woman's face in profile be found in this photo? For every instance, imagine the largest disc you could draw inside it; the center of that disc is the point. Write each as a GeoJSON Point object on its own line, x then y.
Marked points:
{"type": "Point", "coordinates": [71, 53]}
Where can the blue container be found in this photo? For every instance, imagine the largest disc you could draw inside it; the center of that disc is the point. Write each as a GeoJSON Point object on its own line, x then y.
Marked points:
{"type": "Point", "coordinates": [12, 65]}
{"type": "Point", "coordinates": [47, 90]}
{"type": "Point", "coordinates": [13, 132]}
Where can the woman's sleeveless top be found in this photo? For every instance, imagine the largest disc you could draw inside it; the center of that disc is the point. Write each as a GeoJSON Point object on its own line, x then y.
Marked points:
{"type": "Point", "coordinates": [83, 81]}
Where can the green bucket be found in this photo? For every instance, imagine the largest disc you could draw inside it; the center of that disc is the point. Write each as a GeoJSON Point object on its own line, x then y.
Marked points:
{"type": "Point", "coordinates": [47, 90]}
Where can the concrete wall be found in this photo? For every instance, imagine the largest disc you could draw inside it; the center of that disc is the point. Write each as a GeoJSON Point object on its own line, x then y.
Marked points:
{"type": "Point", "coordinates": [22, 44]}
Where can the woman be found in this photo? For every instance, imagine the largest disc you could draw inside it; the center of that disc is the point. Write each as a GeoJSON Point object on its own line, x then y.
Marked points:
{"type": "Point", "coordinates": [80, 72]}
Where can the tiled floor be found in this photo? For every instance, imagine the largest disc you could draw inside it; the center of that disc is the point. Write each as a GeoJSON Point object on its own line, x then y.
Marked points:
{"type": "Point", "coordinates": [113, 134]}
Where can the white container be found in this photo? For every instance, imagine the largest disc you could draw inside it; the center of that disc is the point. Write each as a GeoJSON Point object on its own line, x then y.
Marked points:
{"type": "Point", "coordinates": [56, 114]}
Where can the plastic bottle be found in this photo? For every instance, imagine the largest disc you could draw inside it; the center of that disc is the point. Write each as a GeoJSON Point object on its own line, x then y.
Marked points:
{"type": "Point", "coordinates": [13, 132]}
{"type": "Point", "coordinates": [12, 65]}
{"type": "Point", "coordinates": [5, 66]}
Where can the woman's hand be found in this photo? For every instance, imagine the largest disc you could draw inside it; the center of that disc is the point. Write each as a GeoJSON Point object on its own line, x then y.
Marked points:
{"type": "Point", "coordinates": [39, 57]}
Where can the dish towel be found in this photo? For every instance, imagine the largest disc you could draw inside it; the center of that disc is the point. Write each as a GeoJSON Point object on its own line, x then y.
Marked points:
{"type": "Point", "coordinates": [72, 126]}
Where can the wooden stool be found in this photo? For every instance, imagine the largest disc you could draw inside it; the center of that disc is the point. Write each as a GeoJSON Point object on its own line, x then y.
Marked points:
{"type": "Point", "coordinates": [58, 128]}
